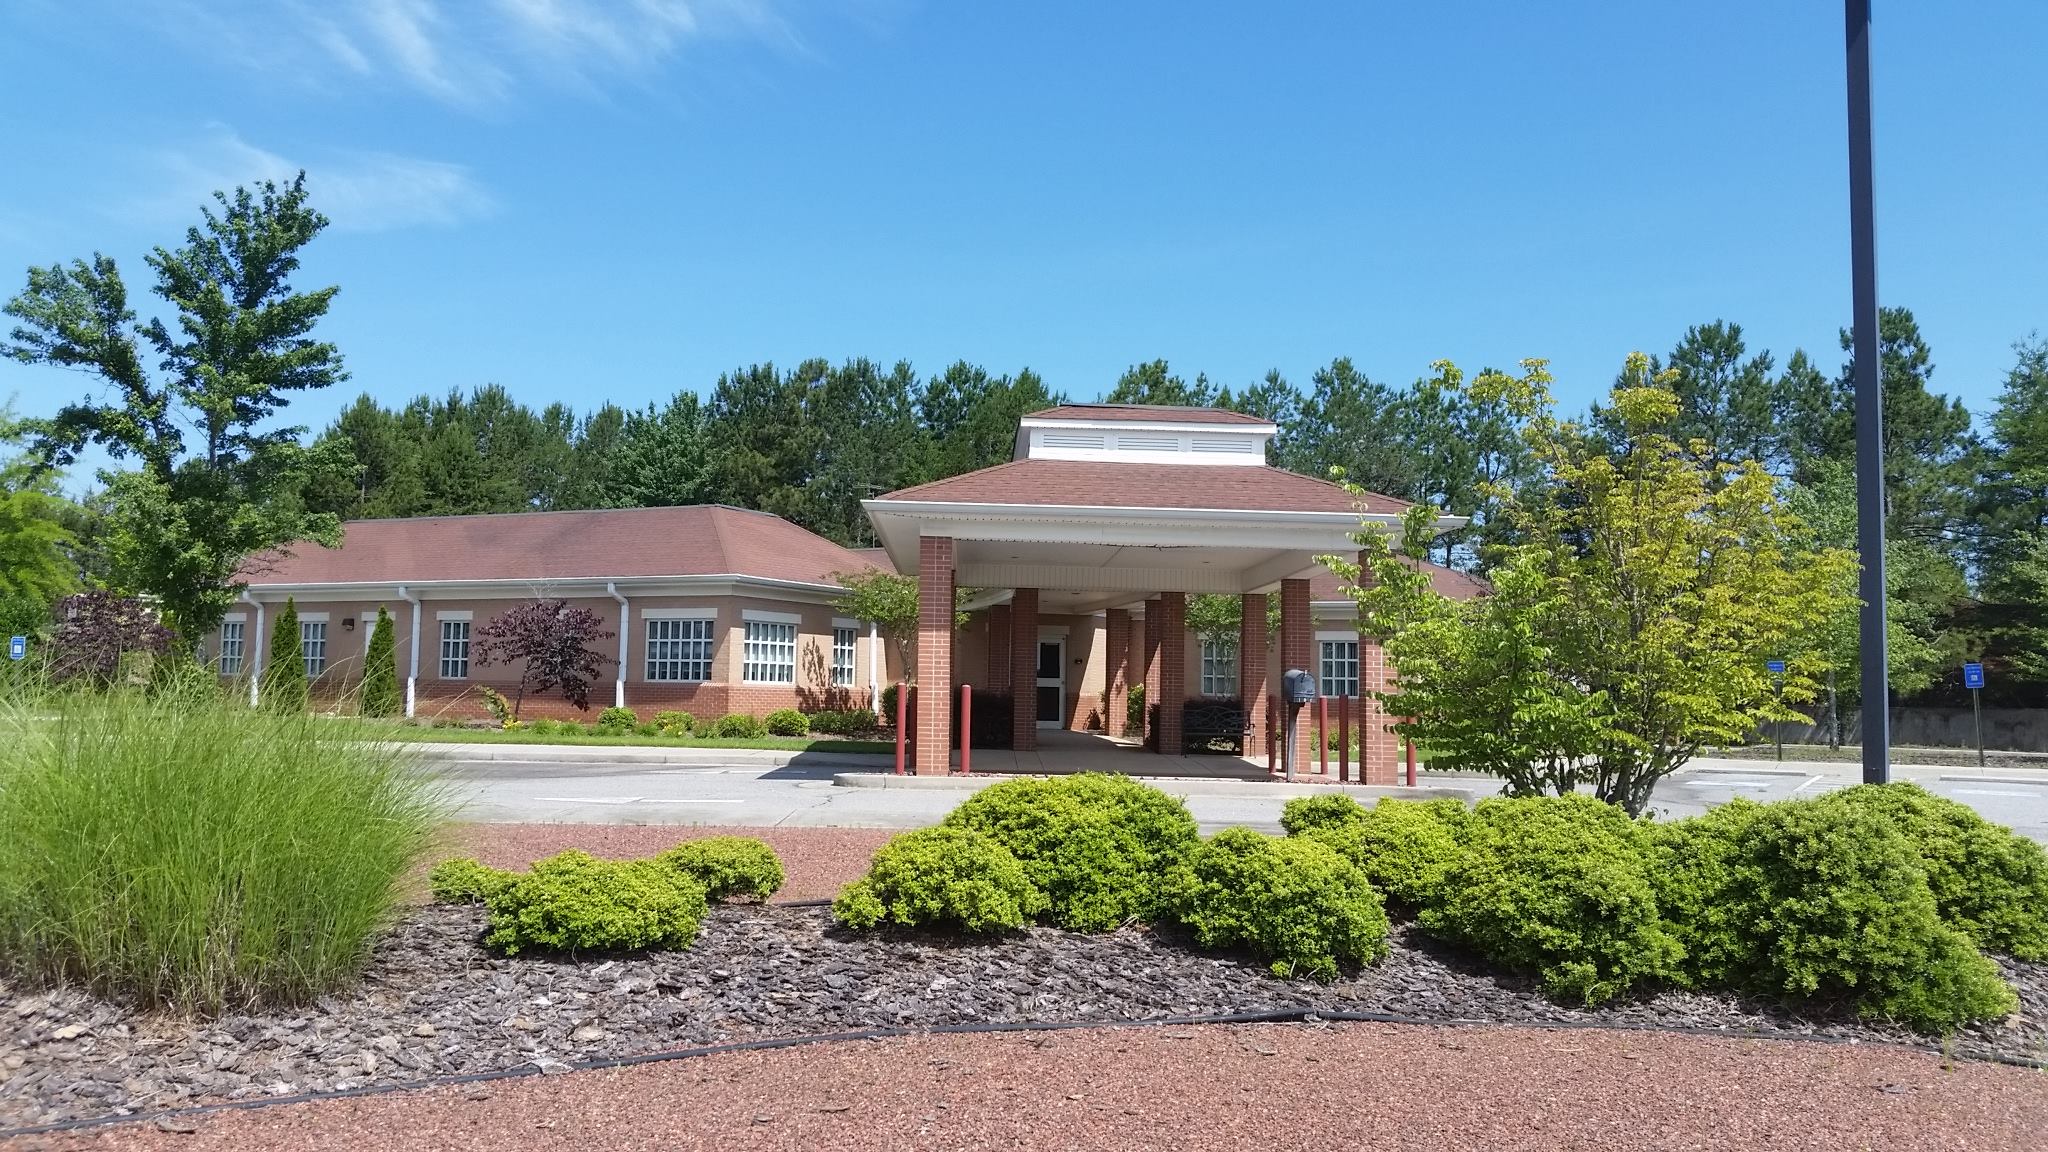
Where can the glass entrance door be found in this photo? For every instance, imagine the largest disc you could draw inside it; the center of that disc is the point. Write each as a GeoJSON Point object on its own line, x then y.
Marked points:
{"type": "Point", "coordinates": [1052, 683]}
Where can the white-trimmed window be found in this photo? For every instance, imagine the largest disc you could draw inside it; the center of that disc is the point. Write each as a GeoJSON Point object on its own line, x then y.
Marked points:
{"type": "Point", "coordinates": [1338, 671]}
{"type": "Point", "coordinates": [230, 656]}
{"type": "Point", "coordinates": [679, 648]}
{"type": "Point", "coordinates": [843, 644]}
{"type": "Point", "coordinates": [770, 653]}
{"type": "Point", "coordinates": [1219, 669]}
{"type": "Point", "coordinates": [455, 647]}
{"type": "Point", "coordinates": [313, 645]}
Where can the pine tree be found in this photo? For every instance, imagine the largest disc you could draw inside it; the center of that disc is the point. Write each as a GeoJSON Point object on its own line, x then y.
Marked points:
{"type": "Point", "coordinates": [380, 670]}
{"type": "Point", "coordinates": [284, 674]}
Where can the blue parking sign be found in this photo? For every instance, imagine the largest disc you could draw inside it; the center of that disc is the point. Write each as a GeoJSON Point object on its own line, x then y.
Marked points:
{"type": "Point", "coordinates": [1973, 675]}
{"type": "Point", "coordinates": [1777, 667]}
{"type": "Point", "coordinates": [17, 648]}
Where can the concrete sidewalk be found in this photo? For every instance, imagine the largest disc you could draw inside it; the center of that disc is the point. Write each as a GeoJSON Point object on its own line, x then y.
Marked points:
{"type": "Point", "coordinates": [1172, 786]}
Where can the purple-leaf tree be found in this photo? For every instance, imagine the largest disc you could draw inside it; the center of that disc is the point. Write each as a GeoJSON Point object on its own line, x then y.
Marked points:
{"type": "Point", "coordinates": [95, 629]}
{"type": "Point", "coordinates": [548, 639]}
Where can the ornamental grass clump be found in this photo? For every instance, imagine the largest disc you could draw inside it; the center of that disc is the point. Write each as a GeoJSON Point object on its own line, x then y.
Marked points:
{"type": "Point", "coordinates": [1407, 848]}
{"type": "Point", "coordinates": [1293, 902]}
{"type": "Point", "coordinates": [1558, 886]}
{"type": "Point", "coordinates": [184, 852]}
{"type": "Point", "coordinates": [1101, 848]}
{"type": "Point", "coordinates": [947, 878]}
{"type": "Point", "coordinates": [729, 867]}
{"type": "Point", "coordinates": [573, 903]}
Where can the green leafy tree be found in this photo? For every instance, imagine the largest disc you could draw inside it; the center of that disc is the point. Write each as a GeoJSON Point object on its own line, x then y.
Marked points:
{"type": "Point", "coordinates": [970, 418]}
{"type": "Point", "coordinates": [216, 485]}
{"type": "Point", "coordinates": [36, 545]}
{"type": "Point", "coordinates": [1154, 383]}
{"type": "Point", "coordinates": [380, 670]}
{"type": "Point", "coordinates": [889, 601]}
{"type": "Point", "coordinates": [284, 671]}
{"type": "Point", "coordinates": [758, 446]}
{"type": "Point", "coordinates": [1352, 422]}
{"type": "Point", "coordinates": [1630, 622]}
{"type": "Point", "coordinates": [660, 457]}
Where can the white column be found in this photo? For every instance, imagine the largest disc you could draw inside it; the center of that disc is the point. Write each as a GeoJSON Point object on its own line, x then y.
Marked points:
{"type": "Point", "coordinates": [874, 668]}
{"type": "Point", "coordinates": [412, 664]}
{"type": "Point", "coordinates": [625, 629]}
{"type": "Point", "coordinates": [255, 645]}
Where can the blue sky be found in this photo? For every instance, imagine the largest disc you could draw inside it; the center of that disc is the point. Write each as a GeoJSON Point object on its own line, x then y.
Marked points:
{"type": "Point", "coordinates": [584, 200]}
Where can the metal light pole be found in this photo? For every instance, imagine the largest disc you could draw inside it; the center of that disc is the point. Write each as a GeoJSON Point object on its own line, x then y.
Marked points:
{"type": "Point", "coordinates": [1877, 731]}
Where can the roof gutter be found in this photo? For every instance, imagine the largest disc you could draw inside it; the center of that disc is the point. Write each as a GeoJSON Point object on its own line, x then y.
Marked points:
{"type": "Point", "coordinates": [412, 669]}
{"type": "Point", "coordinates": [254, 644]}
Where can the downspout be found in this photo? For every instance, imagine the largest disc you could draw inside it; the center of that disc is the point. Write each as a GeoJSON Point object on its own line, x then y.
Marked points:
{"type": "Point", "coordinates": [874, 668]}
{"type": "Point", "coordinates": [255, 646]}
{"type": "Point", "coordinates": [625, 628]}
{"type": "Point", "coordinates": [412, 667]}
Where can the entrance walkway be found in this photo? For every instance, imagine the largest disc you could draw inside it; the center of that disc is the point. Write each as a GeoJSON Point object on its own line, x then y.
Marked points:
{"type": "Point", "coordinates": [1061, 752]}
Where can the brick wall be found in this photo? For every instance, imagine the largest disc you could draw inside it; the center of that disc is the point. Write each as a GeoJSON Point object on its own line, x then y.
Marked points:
{"type": "Point", "coordinates": [1297, 649]}
{"type": "Point", "coordinates": [1251, 671]}
{"type": "Point", "coordinates": [1117, 627]}
{"type": "Point", "coordinates": [1173, 670]}
{"type": "Point", "coordinates": [934, 655]}
{"type": "Point", "coordinates": [1024, 669]}
{"type": "Point", "coordinates": [1149, 676]}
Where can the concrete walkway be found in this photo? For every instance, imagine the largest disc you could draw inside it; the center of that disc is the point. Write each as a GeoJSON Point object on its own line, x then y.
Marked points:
{"type": "Point", "coordinates": [1061, 752]}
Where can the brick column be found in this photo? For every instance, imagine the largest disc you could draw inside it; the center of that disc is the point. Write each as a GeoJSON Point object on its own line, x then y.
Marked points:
{"type": "Point", "coordinates": [1297, 650]}
{"type": "Point", "coordinates": [1379, 750]}
{"type": "Point", "coordinates": [996, 677]}
{"type": "Point", "coordinates": [1024, 670]}
{"type": "Point", "coordinates": [1117, 642]}
{"type": "Point", "coordinates": [1251, 672]}
{"type": "Point", "coordinates": [1149, 671]}
{"type": "Point", "coordinates": [934, 655]}
{"type": "Point", "coordinates": [1173, 670]}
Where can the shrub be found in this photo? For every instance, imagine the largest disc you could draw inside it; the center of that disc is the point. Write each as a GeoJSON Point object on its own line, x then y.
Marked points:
{"type": "Point", "coordinates": [1837, 908]}
{"type": "Point", "coordinates": [570, 728]}
{"type": "Point", "coordinates": [1305, 814]}
{"type": "Point", "coordinates": [1558, 886]}
{"type": "Point", "coordinates": [941, 878]}
{"type": "Point", "coordinates": [1102, 848]}
{"type": "Point", "coordinates": [179, 851]}
{"type": "Point", "coordinates": [543, 726]}
{"type": "Point", "coordinates": [728, 866]}
{"type": "Point", "coordinates": [1134, 708]}
{"type": "Point", "coordinates": [617, 722]}
{"type": "Point", "coordinates": [464, 881]}
{"type": "Point", "coordinates": [574, 902]}
{"type": "Point", "coordinates": [787, 722]}
{"type": "Point", "coordinates": [675, 723]}
{"type": "Point", "coordinates": [847, 722]}
{"type": "Point", "coordinates": [737, 726]}
{"type": "Point", "coordinates": [381, 696]}
{"type": "Point", "coordinates": [1295, 903]}
{"type": "Point", "coordinates": [889, 695]}
{"type": "Point", "coordinates": [647, 728]}
{"type": "Point", "coordinates": [499, 707]}
{"type": "Point", "coordinates": [1407, 848]}
{"type": "Point", "coordinates": [1698, 870]}
{"type": "Point", "coordinates": [1988, 883]}
{"type": "Point", "coordinates": [284, 686]}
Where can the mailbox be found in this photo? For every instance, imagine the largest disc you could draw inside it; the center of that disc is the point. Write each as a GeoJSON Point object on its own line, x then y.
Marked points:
{"type": "Point", "coordinates": [1297, 686]}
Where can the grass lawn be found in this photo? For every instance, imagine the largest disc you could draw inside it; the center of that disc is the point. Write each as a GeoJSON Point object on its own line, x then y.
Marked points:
{"type": "Point", "coordinates": [425, 735]}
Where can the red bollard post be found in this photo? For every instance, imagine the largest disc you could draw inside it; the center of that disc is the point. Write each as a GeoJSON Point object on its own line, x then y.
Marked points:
{"type": "Point", "coordinates": [966, 729]}
{"type": "Point", "coordinates": [1344, 740]}
{"type": "Point", "coordinates": [1323, 735]}
{"type": "Point", "coordinates": [902, 724]}
{"type": "Point", "coordinates": [1411, 763]}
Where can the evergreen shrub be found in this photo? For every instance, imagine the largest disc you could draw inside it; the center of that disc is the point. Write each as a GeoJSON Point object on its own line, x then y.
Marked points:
{"type": "Point", "coordinates": [944, 877]}
{"type": "Point", "coordinates": [1293, 902]}
{"type": "Point", "coordinates": [575, 903]}
{"type": "Point", "coordinates": [729, 867]}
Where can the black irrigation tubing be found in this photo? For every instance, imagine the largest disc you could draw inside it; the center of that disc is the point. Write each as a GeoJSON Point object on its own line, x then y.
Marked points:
{"type": "Point", "coordinates": [1262, 1016]}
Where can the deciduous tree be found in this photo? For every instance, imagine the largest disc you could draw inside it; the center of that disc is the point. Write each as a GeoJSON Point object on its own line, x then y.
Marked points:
{"type": "Point", "coordinates": [550, 641]}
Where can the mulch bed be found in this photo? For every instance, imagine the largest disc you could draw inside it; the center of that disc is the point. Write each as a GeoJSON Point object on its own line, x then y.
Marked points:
{"type": "Point", "coordinates": [433, 1003]}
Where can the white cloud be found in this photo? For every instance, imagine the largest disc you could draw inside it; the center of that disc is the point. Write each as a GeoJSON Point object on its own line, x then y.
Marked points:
{"type": "Point", "coordinates": [475, 52]}
{"type": "Point", "coordinates": [359, 191]}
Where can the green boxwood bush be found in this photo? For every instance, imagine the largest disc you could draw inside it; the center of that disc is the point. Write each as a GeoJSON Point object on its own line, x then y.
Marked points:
{"type": "Point", "coordinates": [737, 726]}
{"type": "Point", "coordinates": [673, 723]}
{"type": "Point", "coordinates": [1699, 872]}
{"type": "Point", "coordinates": [729, 867]}
{"type": "Point", "coordinates": [1102, 848]}
{"type": "Point", "coordinates": [941, 878]}
{"type": "Point", "coordinates": [617, 721]}
{"type": "Point", "coordinates": [1407, 848]}
{"type": "Point", "coordinates": [1558, 886]}
{"type": "Point", "coordinates": [464, 881]}
{"type": "Point", "coordinates": [1293, 902]}
{"type": "Point", "coordinates": [1988, 883]}
{"type": "Point", "coordinates": [574, 902]}
{"type": "Point", "coordinates": [845, 722]}
{"type": "Point", "coordinates": [1838, 910]}
{"type": "Point", "coordinates": [1305, 814]}
{"type": "Point", "coordinates": [787, 722]}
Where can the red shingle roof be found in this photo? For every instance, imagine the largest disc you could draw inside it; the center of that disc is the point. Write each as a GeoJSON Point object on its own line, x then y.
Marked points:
{"type": "Point", "coordinates": [1449, 582]}
{"type": "Point", "coordinates": [699, 540]}
{"type": "Point", "coordinates": [1158, 413]}
{"type": "Point", "coordinates": [1117, 484]}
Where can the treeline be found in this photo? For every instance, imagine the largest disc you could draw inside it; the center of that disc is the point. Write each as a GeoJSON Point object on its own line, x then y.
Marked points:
{"type": "Point", "coordinates": [1967, 507]}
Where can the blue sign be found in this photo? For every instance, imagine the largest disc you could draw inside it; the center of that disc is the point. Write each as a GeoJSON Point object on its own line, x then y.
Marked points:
{"type": "Point", "coordinates": [1777, 667]}
{"type": "Point", "coordinates": [17, 648]}
{"type": "Point", "coordinates": [1973, 675]}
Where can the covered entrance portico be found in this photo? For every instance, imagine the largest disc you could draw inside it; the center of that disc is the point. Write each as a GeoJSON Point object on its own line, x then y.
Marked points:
{"type": "Point", "coordinates": [1122, 513]}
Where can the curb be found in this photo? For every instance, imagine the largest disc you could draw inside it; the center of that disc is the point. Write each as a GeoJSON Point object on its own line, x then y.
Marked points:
{"type": "Point", "coordinates": [2027, 781]}
{"type": "Point", "coordinates": [1746, 771]}
{"type": "Point", "coordinates": [1172, 785]}
{"type": "Point", "coordinates": [684, 757]}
